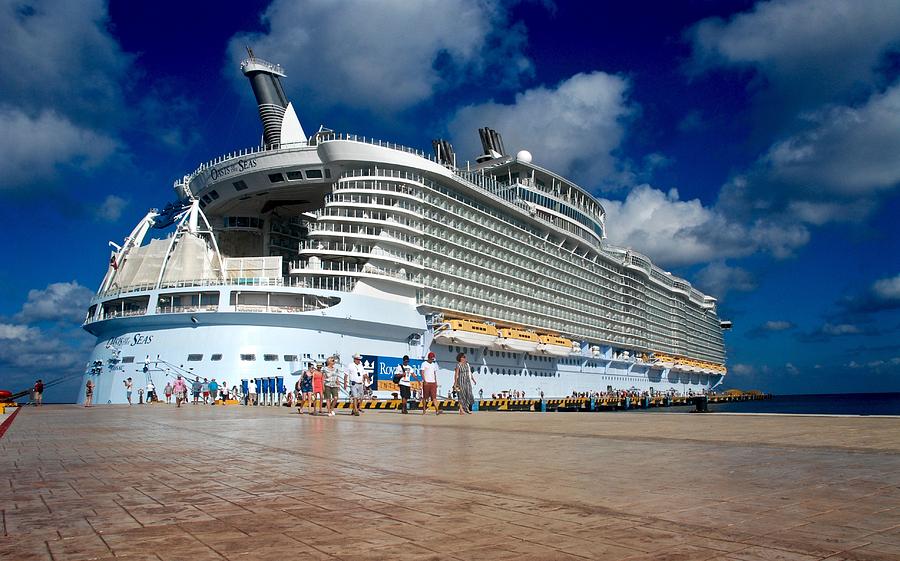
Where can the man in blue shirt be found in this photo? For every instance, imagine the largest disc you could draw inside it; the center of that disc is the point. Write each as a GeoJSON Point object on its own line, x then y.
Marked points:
{"type": "Point", "coordinates": [214, 390]}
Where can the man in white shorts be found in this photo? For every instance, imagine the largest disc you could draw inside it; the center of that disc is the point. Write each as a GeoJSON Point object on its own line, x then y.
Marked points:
{"type": "Point", "coordinates": [356, 375]}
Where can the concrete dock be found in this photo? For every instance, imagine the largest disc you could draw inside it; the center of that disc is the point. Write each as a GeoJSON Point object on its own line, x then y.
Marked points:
{"type": "Point", "coordinates": [238, 483]}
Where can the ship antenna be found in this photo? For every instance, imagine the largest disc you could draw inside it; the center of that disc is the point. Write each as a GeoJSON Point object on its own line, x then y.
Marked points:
{"type": "Point", "coordinates": [249, 51]}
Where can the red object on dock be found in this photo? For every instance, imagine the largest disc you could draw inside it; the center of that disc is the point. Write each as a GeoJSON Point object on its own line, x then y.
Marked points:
{"type": "Point", "coordinates": [5, 395]}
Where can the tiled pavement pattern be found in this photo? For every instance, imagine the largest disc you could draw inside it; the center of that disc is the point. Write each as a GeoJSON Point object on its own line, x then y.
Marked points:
{"type": "Point", "coordinates": [198, 483]}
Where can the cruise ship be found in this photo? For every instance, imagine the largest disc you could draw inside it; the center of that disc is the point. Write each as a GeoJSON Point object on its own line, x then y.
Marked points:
{"type": "Point", "coordinates": [333, 244]}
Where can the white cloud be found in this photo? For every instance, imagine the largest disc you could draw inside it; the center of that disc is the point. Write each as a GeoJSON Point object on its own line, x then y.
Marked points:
{"type": "Point", "coordinates": [60, 301]}
{"type": "Point", "coordinates": [59, 56]}
{"type": "Point", "coordinates": [571, 129]}
{"type": "Point", "coordinates": [111, 208]}
{"type": "Point", "coordinates": [887, 289]}
{"type": "Point", "coordinates": [13, 332]}
{"type": "Point", "coordinates": [718, 279]}
{"type": "Point", "coordinates": [386, 56]}
{"type": "Point", "coordinates": [673, 232]}
{"type": "Point", "coordinates": [838, 169]}
{"type": "Point", "coordinates": [809, 51]}
{"type": "Point", "coordinates": [840, 329]}
{"type": "Point", "coordinates": [777, 325]}
{"type": "Point", "coordinates": [34, 148]}
{"type": "Point", "coordinates": [742, 369]}
{"type": "Point", "coordinates": [846, 152]}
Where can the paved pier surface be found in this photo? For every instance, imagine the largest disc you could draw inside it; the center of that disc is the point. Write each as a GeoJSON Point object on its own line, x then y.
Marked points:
{"type": "Point", "coordinates": [236, 483]}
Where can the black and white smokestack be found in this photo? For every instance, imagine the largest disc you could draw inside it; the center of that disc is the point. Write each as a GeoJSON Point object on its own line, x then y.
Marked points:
{"type": "Point", "coordinates": [265, 78]}
{"type": "Point", "coordinates": [492, 144]}
{"type": "Point", "coordinates": [443, 152]}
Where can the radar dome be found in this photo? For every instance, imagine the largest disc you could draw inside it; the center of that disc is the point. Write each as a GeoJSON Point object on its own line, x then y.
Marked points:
{"type": "Point", "coordinates": [524, 156]}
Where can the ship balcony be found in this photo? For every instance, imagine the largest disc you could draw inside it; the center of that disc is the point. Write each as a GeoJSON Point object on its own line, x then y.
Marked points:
{"type": "Point", "coordinates": [315, 266]}
{"type": "Point", "coordinates": [362, 217]}
{"type": "Point", "coordinates": [414, 211]}
{"type": "Point", "coordinates": [379, 185]}
{"type": "Point", "coordinates": [360, 251]}
{"type": "Point", "coordinates": [322, 237]}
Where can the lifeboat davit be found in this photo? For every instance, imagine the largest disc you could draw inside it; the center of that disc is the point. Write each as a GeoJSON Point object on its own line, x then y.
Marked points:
{"type": "Point", "coordinates": [519, 340]}
{"type": "Point", "coordinates": [465, 332]}
{"type": "Point", "coordinates": [554, 346]}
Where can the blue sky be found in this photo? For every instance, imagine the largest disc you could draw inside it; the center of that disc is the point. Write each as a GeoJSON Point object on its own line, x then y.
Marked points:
{"type": "Point", "coordinates": [751, 147]}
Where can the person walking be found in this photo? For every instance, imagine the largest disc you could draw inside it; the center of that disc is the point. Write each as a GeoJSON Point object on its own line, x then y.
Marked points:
{"type": "Point", "coordinates": [305, 383]}
{"type": "Point", "coordinates": [214, 390]}
{"type": "Point", "coordinates": [403, 377]}
{"type": "Point", "coordinates": [129, 386]}
{"type": "Point", "coordinates": [168, 391]}
{"type": "Point", "coordinates": [357, 378]}
{"type": "Point", "coordinates": [251, 392]}
{"type": "Point", "coordinates": [196, 388]}
{"type": "Point", "coordinates": [462, 382]}
{"type": "Point", "coordinates": [180, 389]}
{"type": "Point", "coordinates": [89, 394]}
{"type": "Point", "coordinates": [429, 384]}
{"type": "Point", "coordinates": [318, 386]}
{"type": "Point", "coordinates": [151, 392]}
{"type": "Point", "coordinates": [332, 384]}
{"type": "Point", "coordinates": [38, 392]}
{"type": "Point", "coordinates": [204, 389]}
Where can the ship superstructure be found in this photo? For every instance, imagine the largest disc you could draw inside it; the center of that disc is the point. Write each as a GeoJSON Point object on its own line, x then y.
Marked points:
{"type": "Point", "coordinates": [307, 247]}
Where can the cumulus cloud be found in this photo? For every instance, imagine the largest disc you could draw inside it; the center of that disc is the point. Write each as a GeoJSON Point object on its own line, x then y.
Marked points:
{"type": "Point", "coordinates": [13, 332]}
{"type": "Point", "coordinates": [61, 93]}
{"type": "Point", "coordinates": [808, 51]}
{"type": "Point", "coordinates": [837, 169]}
{"type": "Point", "coordinates": [675, 232]}
{"type": "Point", "coordinates": [887, 289]}
{"type": "Point", "coordinates": [387, 56]}
{"type": "Point", "coordinates": [111, 208]}
{"type": "Point", "coordinates": [845, 152]}
{"type": "Point", "coordinates": [59, 302]}
{"type": "Point", "coordinates": [45, 339]}
{"type": "Point", "coordinates": [882, 295]}
{"type": "Point", "coordinates": [35, 147]}
{"type": "Point", "coordinates": [572, 128]}
{"type": "Point", "coordinates": [718, 279]}
{"type": "Point", "coordinates": [60, 55]}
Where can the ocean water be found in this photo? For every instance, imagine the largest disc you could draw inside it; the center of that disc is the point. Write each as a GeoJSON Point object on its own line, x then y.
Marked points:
{"type": "Point", "coordinates": [818, 404]}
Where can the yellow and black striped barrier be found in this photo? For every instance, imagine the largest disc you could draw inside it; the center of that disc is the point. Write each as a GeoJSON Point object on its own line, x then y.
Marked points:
{"type": "Point", "coordinates": [561, 404]}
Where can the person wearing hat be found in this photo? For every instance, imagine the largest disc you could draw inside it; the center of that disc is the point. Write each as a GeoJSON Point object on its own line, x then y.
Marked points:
{"type": "Point", "coordinates": [356, 376]}
{"type": "Point", "coordinates": [403, 375]}
{"type": "Point", "coordinates": [429, 384]}
{"type": "Point", "coordinates": [318, 385]}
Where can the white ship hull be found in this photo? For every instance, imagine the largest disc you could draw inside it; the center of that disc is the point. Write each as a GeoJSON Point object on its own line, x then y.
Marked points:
{"type": "Point", "coordinates": [157, 348]}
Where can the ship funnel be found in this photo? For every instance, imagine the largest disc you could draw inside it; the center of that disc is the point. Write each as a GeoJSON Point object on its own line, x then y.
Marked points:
{"type": "Point", "coordinates": [492, 144]}
{"type": "Point", "coordinates": [443, 152]}
{"type": "Point", "coordinates": [279, 120]}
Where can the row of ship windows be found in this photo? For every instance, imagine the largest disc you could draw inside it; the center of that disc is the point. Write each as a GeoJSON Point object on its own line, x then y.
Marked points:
{"type": "Point", "coordinates": [507, 221]}
{"type": "Point", "coordinates": [295, 175]}
{"type": "Point", "coordinates": [506, 354]}
{"type": "Point", "coordinates": [245, 357]}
